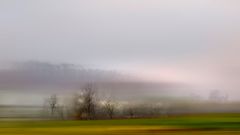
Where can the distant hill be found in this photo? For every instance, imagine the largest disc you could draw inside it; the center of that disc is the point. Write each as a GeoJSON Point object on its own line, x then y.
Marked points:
{"type": "Point", "coordinates": [30, 75]}
{"type": "Point", "coordinates": [46, 78]}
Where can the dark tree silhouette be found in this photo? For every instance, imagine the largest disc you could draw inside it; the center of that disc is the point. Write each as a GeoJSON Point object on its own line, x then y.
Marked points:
{"type": "Point", "coordinates": [52, 101]}
{"type": "Point", "coordinates": [85, 102]}
{"type": "Point", "coordinates": [109, 107]}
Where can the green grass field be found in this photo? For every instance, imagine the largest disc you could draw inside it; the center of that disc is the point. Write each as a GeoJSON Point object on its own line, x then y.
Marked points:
{"type": "Point", "coordinates": [226, 124]}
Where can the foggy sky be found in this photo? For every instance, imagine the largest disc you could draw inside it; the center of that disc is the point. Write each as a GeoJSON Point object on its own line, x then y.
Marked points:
{"type": "Point", "coordinates": [188, 41]}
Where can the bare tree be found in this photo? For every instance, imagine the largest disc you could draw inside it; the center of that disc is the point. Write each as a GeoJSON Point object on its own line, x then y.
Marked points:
{"type": "Point", "coordinates": [109, 107]}
{"type": "Point", "coordinates": [87, 101]}
{"type": "Point", "coordinates": [52, 102]}
{"type": "Point", "coordinates": [53, 108]}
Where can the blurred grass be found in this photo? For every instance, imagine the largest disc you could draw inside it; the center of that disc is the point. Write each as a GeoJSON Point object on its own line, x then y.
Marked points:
{"type": "Point", "coordinates": [182, 124]}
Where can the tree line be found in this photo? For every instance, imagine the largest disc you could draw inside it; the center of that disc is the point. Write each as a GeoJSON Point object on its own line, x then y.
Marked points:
{"type": "Point", "coordinates": [86, 106]}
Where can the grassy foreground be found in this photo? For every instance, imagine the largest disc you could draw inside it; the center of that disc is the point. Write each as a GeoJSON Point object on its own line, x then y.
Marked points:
{"type": "Point", "coordinates": [221, 124]}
